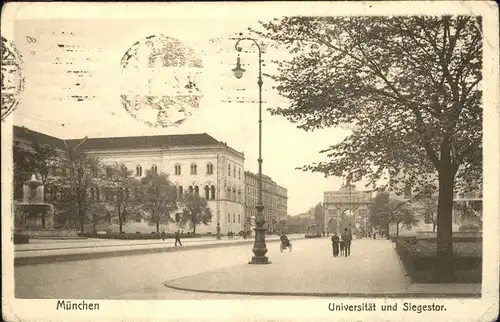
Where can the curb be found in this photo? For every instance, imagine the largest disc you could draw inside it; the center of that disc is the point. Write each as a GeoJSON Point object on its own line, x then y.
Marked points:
{"type": "Point", "coordinates": [35, 260]}
{"type": "Point", "coordinates": [313, 294]}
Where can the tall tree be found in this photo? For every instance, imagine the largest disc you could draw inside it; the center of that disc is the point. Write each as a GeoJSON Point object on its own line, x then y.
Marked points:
{"type": "Point", "coordinates": [118, 184]}
{"type": "Point", "coordinates": [71, 187]}
{"type": "Point", "coordinates": [159, 198]}
{"type": "Point", "coordinates": [380, 211]}
{"type": "Point", "coordinates": [319, 216]}
{"type": "Point", "coordinates": [402, 214]}
{"type": "Point", "coordinates": [195, 211]}
{"type": "Point", "coordinates": [410, 88]}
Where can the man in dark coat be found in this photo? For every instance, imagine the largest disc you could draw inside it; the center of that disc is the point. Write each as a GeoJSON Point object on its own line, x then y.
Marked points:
{"type": "Point", "coordinates": [347, 238]}
{"type": "Point", "coordinates": [335, 244]}
{"type": "Point", "coordinates": [178, 238]}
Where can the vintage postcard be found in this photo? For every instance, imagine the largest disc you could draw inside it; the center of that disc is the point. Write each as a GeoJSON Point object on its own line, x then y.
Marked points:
{"type": "Point", "coordinates": [257, 161]}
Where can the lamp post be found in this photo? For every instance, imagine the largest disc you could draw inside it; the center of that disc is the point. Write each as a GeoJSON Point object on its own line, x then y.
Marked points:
{"type": "Point", "coordinates": [259, 248]}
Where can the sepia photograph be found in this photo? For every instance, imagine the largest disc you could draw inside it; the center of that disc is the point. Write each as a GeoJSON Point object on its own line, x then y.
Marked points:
{"type": "Point", "coordinates": [250, 161]}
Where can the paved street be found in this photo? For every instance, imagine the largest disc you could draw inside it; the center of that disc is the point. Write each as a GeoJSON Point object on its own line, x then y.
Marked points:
{"type": "Point", "coordinates": [133, 277]}
{"type": "Point", "coordinates": [373, 268]}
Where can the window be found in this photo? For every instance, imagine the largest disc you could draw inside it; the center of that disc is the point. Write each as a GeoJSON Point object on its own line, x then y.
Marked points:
{"type": "Point", "coordinates": [193, 169]}
{"type": "Point", "coordinates": [229, 170]}
{"type": "Point", "coordinates": [207, 192]}
{"type": "Point", "coordinates": [234, 172]}
{"type": "Point", "coordinates": [108, 171]}
{"type": "Point", "coordinates": [196, 191]}
{"type": "Point", "coordinates": [177, 169]}
{"type": "Point", "coordinates": [210, 168]}
{"type": "Point", "coordinates": [239, 173]}
{"type": "Point", "coordinates": [190, 189]}
{"type": "Point", "coordinates": [212, 191]}
{"type": "Point", "coordinates": [138, 171]}
{"type": "Point", "coordinates": [239, 218]}
{"type": "Point", "coordinates": [239, 195]}
{"type": "Point", "coordinates": [154, 169]}
{"type": "Point", "coordinates": [180, 192]}
{"type": "Point", "coordinates": [234, 218]}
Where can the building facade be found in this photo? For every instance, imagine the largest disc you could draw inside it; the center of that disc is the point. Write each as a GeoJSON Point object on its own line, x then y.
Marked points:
{"type": "Point", "coordinates": [470, 195]}
{"type": "Point", "coordinates": [194, 162]}
{"type": "Point", "coordinates": [274, 199]}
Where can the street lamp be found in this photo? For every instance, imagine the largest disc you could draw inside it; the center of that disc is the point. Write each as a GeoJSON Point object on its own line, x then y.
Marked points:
{"type": "Point", "coordinates": [259, 248]}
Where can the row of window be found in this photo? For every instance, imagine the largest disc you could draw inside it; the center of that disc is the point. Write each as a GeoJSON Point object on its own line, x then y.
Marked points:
{"type": "Point", "coordinates": [193, 170]}
{"type": "Point", "coordinates": [234, 171]}
{"type": "Point", "coordinates": [234, 218]}
{"type": "Point", "coordinates": [110, 194]}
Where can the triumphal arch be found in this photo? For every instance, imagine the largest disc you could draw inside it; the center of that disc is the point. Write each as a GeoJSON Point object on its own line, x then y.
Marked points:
{"type": "Point", "coordinates": [347, 208]}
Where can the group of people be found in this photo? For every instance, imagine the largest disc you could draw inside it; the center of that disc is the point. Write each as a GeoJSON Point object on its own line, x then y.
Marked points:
{"type": "Point", "coordinates": [342, 245]}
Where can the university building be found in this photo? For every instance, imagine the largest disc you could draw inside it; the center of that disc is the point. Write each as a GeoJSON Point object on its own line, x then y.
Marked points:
{"type": "Point", "coordinates": [274, 198]}
{"type": "Point", "coordinates": [194, 162]}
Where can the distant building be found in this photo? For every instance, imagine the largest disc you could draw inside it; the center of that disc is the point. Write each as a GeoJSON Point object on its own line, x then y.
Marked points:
{"type": "Point", "coordinates": [274, 198]}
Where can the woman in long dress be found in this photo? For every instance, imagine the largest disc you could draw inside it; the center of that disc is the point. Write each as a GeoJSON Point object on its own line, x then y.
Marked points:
{"type": "Point", "coordinates": [335, 244]}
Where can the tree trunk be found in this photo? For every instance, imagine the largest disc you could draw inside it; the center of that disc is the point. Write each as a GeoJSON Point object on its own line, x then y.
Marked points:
{"type": "Point", "coordinates": [445, 268]}
{"type": "Point", "coordinates": [81, 217]}
{"type": "Point", "coordinates": [397, 229]}
{"type": "Point", "coordinates": [194, 225]}
{"type": "Point", "coordinates": [434, 226]}
{"type": "Point", "coordinates": [387, 229]}
{"type": "Point", "coordinates": [158, 226]}
{"type": "Point", "coordinates": [120, 219]}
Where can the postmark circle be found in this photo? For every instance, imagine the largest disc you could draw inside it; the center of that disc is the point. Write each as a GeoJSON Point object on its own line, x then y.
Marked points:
{"type": "Point", "coordinates": [12, 80]}
{"type": "Point", "coordinates": [160, 81]}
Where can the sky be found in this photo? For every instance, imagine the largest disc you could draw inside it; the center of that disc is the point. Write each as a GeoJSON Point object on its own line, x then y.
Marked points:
{"type": "Point", "coordinates": [54, 49]}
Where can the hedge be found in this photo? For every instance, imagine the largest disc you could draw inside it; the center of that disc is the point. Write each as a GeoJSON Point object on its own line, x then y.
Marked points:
{"type": "Point", "coordinates": [420, 264]}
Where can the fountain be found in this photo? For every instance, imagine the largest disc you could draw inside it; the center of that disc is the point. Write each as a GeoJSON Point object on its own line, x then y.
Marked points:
{"type": "Point", "coordinates": [33, 217]}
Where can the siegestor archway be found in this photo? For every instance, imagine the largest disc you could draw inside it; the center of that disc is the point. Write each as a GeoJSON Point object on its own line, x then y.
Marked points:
{"type": "Point", "coordinates": [339, 216]}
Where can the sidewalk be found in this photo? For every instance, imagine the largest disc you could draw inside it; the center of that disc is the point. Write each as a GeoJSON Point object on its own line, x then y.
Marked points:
{"type": "Point", "coordinates": [373, 270]}
{"type": "Point", "coordinates": [47, 251]}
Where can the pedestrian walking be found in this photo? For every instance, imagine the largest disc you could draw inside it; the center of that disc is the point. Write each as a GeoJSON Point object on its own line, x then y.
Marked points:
{"type": "Point", "coordinates": [163, 235]}
{"type": "Point", "coordinates": [347, 239]}
{"type": "Point", "coordinates": [335, 244]}
{"type": "Point", "coordinates": [178, 238]}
